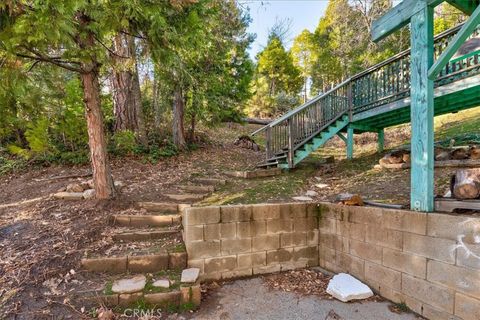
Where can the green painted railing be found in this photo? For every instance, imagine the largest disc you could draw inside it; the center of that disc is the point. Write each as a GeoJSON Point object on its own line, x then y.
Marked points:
{"type": "Point", "coordinates": [379, 85]}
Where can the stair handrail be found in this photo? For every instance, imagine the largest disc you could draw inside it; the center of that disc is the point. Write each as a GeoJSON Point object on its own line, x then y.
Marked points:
{"type": "Point", "coordinates": [302, 107]}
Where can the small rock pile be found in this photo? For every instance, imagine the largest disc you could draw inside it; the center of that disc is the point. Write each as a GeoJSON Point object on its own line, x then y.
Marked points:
{"type": "Point", "coordinates": [247, 143]}
{"type": "Point", "coordinates": [81, 190]}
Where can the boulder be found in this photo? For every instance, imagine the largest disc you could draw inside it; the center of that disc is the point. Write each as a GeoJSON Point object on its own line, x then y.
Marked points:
{"type": "Point", "coordinates": [344, 287]}
{"type": "Point", "coordinates": [130, 285]}
{"type": "Point", "coordinates": [302, 198]}
{"type": "Point", "coordinates": [311, 193]}
{"type": "Point", "coordinates": [321, 186]}
{"type": "Point", "coordinates": [190, 275]}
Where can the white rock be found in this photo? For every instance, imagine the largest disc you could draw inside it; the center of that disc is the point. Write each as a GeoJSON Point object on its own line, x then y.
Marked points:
{"type": "Point", "coordinates": [129, 285]}
{"type": "Point", "coordinates": [321, 186]}
{"type": "Point", "coordinates": [448, 194]}
{"type": "Point", "coordinates": [119, 184]}
{"type": "Point", "coordinates": [344, 287]}
{"type": "Point", "coordinates": [311, 193]}
{"type": "Point", "coordinates": [69, 195]}
{"type": "Point", "coordinates": [190, 275]}
{"type": "Point", "coordinates": [89, 194]}
{"type": "Point", "coordinates": [162, 283]}
{"type": "Point", "coordinates": [302, 198]}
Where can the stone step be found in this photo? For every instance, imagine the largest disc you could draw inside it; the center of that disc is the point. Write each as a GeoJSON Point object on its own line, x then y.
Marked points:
{"type": "Point", "coordinates": [186, 196]}
{"type": "Point", "coordinates": [140, 221]}
{"type": "Point", "coordinates": [197, 188]}
{"type": "Point", "coordinates": [136, 263]}
{"type": "Point", "coordinates": [144, 235]}
{"type": "Point", "coordinates": [210, 181]}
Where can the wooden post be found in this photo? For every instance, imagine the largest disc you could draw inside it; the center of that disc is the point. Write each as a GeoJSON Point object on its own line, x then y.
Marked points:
{"type": "Point", "coordinates": [350, 143]}
{"type": "Point", "coordinates": [422, 186]}
{"type": "Point", "coordinates": [381, 140]}
{"type": "Point", "coordinates": [290, 144]}
{"type": "Point", "coordinates": [268, 143]}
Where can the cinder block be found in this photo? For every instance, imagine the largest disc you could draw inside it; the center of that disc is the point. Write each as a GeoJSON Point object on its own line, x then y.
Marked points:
{"type": "Point", "coordinates": [366, 215]}
{"type": "Point", "coordinates": [408, 221]}
{"type": "Point", "coordinates": [279, 225]}
{"type": "Point", "coordinates": [328, 210]}
{"type": "Point", "coordinates": [199, 263]}
{"type": "Point", "coordinates": [214, 265]}
{"type": "Point", "coordinates": [391, 294]}
{"type": "Point", "coordinates": [293, 265]}
{"type": "Point", "coordinates": [350, 264]}
{"type": "Point", "coordinates": [279, 256]}
{"type": "Point", "coordinates": [305, 224]}
{"type": "Point", "coordinates": [385, 276]}
{"type": "Point", "coordinates": [312, 238]}
{"type": "Point", "coordinates": [265, 211]}
{"type": "Point", "coordinates": [405, 262]}
{"type": "Point", "coordinates": [384, 237]}
{"type": "Point", "coordinates": [468, 255]}
{"type": "Point", "coordinates": [201, 215]}
{"type": "Point", "coordinates": [457, 278]}
{"type": "Point", "coordinates": [228, 230]}
{"type": "Point", "coordinates": [266, 242]}
{"type": "Point", "coordinates": [236, 246]}
{"type": "Point", "coordinates": [293, 210]}
{"type": "Point", "coordinates": [211, 232]}
{"type": "Point", "coordinates": [427, 292]}
{"type": "Point", "coordinates": [251, 229]}
{"type": "Point", "coordinates": [293, 239]}
{"type": "Point", "coordinates": [164, 298]}
{"type": "Point", "coordinates": [266, 269]}
{"type": "Point", "coordinates": [433, 248]}
{"type": "Point", "coordinates": [413, 304]}
{"type": "Point", "coordinates": [451, 226]}
{"type": "Point", "coordinates": [357, 231]}
{"type": "Point", "coordinates": [327, 240]}
{"type": "Point", "coordinates": [110, 265]}
{"type": "Point", "coordinates": [203, 249]}
{"type": "Point", "coordinates": [249, 260]}
{"type": "Point", "coordinates": [193, 233]}
{"type": "Point", "coordinates": [236, 213]}
{"type": "Point", "coordinates": [430, 312]}
{"type": "Point", "coordinates": [326, 255]}
{"type": "Point", "coordinates": [239, 273]}
{"type": "Point", "coordinates": [327, 225]}
{"type": "Point", "coordinates": [342, 244]}
{"type": "Point", "coordinates": [313, 210]}
{"type": "Point", "coordinates": [148, 263]}
{"type": "Point", "coordinates": [467, 308]}
{"type": "Point", "coordinates": [366, 251]}
{"type": "Point", "coordinates": [308, 254]}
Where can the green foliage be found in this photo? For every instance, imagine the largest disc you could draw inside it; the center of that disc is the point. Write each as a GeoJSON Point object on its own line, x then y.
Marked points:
{"type": "Point", "coordinates": [124, 143]}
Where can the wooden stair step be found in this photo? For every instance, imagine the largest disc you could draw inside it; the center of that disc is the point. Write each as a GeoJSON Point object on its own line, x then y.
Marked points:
{"type": "Point", "coordinates": [168, 207]}
{"type": "Point", "coordinates": [144, 235]}
{"type": "Point", "coordinates": [197, 188]}
{"type": "Point", "coordinates": [210, 181]}
{"type": "Point", "coordinates": [124, 220]}
{"type": "Point", "coordinates": [186, 196]}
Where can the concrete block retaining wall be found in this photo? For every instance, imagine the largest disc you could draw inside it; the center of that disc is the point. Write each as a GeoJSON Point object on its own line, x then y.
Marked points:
{"type": "Point", "coordinates": [430, 262]}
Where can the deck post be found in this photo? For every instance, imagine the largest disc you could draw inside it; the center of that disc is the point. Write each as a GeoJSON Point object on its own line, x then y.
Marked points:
{"type": "Point", "coordinates": [268, 136]}
{"type": "Point", "coordinates": [291, 150]}
{"type": "Point", "coordinates": [422, 184]}
{"type": "Point", "coordinates": [350, 143]}
{"type": "Point", "coordinates": [380, 140]}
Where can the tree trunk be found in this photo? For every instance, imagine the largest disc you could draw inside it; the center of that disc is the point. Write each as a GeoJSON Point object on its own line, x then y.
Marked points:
{"type": "Point", "coordinates": [192, 128]}
{"type": "Point", "coordinates": [466, 184]}
{"type": "Point", "coordinates": [102, 177]}
{"type": "Point", "coordinates": [156, 104]}
{"type": "Point", "coordinates": [127, 100]}
{"type": "Point", "coordinates": [178, 117]}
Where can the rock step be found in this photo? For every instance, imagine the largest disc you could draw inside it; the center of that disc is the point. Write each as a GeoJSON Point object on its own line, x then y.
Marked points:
{"type": "Point", "coordinates": [164, 207]}
{"type": "Point", "coordinates": [197, 188]}
{"type": "Point", "coordinates": [210, 181]}
{"type": "Point", "coordinates": [136, 263]}
{"type": "Point", "coordinates": [186, 196]}
{"type": "Point", "coordinates": [124, 220]}
{"type": "Point", "coordinates": [144, 235]}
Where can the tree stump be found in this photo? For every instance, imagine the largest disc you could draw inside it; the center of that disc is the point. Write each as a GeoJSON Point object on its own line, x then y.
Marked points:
{"type": "Point", "coordinates": [466, 184]}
